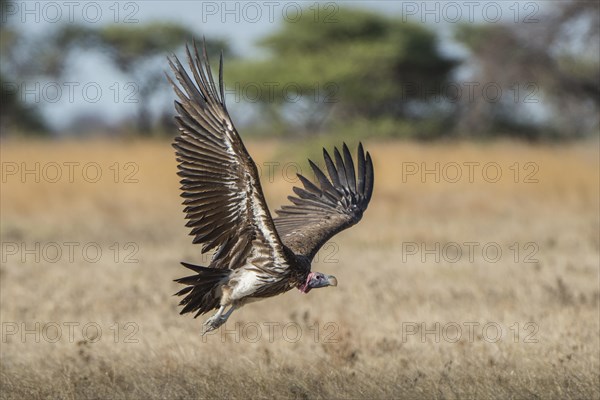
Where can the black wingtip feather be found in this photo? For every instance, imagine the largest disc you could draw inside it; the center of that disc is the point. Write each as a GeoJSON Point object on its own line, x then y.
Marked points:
{"type": "Point", "coordinates": [195, 268]}
{"type": "Point", "coordinates": [341, 168]}
{"type": "Point", "coordinates": [360, 187]}
{"type": "Point", "coordinates": [308, 185]}
{"type": "Point", "coordinates": [221, 85]}
{"type": "Point", "coordinates": [349, 166]}
{"type": "Point", "coordinates": [333, 172]}
{"type": "Point", "coordinates": [369, 182]}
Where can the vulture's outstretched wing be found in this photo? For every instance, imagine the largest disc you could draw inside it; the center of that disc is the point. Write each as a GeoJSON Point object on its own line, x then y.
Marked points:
{"type": "Point", "coordinates": [224, 202]}
{"type": "Point", "coordinates": [319, 212]}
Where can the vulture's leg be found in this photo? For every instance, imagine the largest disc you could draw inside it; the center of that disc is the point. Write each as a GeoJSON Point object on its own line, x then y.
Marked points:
{"type": "Point", "coordinates": [217, 320]}
{"type": "Point", "coordinates": [228, 313]}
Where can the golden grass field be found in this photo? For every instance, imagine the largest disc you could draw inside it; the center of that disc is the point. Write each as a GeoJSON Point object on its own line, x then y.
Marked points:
{"type": "Point", "coordinates": [524, 324]}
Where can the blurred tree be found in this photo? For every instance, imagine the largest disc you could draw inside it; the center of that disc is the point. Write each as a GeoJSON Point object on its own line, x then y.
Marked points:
{"type": "Point", "coordinates": [138, 51]}
{"type": "Point", "coordinates": [15, 114]}
{"type": "Point", "coordinates": [552, 64]}
{"type": "Point", "coordinates": [352, 64]}
{"type": "Point", "coordinates": [132, 48]}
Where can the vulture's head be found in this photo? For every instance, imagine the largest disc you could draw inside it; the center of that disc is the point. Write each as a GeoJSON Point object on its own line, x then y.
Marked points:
{"type": "Point", "coordinates": [317, 280]}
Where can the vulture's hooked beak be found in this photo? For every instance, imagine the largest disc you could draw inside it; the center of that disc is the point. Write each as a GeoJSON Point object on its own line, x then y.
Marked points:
{"type": "Point", "coordinates": [332, 280]}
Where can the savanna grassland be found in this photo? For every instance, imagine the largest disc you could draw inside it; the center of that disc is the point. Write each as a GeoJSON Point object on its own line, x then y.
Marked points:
{"type": "Point", "coordinates": [426, 306]}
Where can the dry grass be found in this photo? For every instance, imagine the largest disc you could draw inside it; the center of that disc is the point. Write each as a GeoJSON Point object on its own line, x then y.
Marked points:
{"type": "Point", "coordinates": [362, 348]}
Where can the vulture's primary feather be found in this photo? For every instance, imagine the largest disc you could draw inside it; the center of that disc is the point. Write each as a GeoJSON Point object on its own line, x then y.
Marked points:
{"type": "Point", "coordinates": [255, 256]}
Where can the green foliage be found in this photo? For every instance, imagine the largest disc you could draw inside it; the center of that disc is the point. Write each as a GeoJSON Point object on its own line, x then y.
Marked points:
{"type": "Point", "coordinates": [138, 51]}
{"type": "Point", "coordinates": [475, 37]}
{"type": "Point", "coordinates": [127, 45]}
{"type": "Point", "coordinates": [15, 115]}
{"type": "Point", "coordinates": [361, 65]}
{"type": "Point", "coordinates": [130, 45]}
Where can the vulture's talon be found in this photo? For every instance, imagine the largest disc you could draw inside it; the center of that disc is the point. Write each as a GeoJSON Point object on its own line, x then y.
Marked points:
{"type": "Point", "coordinates": [213, 323]}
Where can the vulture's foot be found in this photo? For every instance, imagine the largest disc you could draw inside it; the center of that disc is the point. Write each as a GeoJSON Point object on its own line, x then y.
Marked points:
{"type": "Point", "coordinates": [213, 323]}
{"type": "Point", "coordinates": [216, 320]}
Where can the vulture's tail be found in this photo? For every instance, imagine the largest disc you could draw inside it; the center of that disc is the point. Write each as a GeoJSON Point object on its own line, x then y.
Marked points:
{"type": "Point", "coordinates": [203, 292]}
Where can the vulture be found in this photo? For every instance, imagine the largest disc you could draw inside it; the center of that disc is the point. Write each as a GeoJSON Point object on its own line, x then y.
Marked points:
{"type": "Point", "coordinates": [255, 255]}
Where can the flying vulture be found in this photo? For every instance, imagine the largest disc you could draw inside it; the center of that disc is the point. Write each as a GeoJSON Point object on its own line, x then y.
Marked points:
{"type": "Point", "coordinates": [255, 256]}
